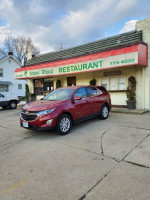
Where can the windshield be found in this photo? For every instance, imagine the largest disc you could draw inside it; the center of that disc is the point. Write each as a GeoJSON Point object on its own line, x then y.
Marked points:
{"type": "Point", "coordinates": [59, 95]}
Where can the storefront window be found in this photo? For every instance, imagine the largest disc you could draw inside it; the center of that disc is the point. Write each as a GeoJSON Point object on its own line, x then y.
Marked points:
{"type": "Point", "coordinates": [121, 83]}
{"type": "Point", "coordinates": [104, 82]}
{"type": "Point", "coordinates": [112, 84]}
{"type": "Point", "coordinates": [115, 83]}
{"type": "Point", "coordinates": [48, 84]}
{"type": "Point", "coordinates": [38, 85]}
{"type": "Point", "coordinates": [43, 86]}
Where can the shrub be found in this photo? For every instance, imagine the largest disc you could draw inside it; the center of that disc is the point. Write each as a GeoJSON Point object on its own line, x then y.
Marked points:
{"type": "Point", "coordinates": [131, 89]}
{"type": "Point", "coordinates": [93, 82]}
{"type": "Point", "coordinates": [58, 84]}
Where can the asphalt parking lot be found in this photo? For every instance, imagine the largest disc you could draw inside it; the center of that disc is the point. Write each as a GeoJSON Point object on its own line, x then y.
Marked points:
{"type": "Point", "coordinates": [98, 160]}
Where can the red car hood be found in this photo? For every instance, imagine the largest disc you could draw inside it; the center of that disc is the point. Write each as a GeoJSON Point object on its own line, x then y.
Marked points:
{"type": "Point", "coordinates": [41, 105]}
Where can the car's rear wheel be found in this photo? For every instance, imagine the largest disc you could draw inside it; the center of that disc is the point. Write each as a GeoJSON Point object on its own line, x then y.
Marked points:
{"type": "Point", "coordinates": [104, 113]}
{"type": "Point", "coordinates": [12, 104]}
{"type": "Point", "coordinates": [64, 124]}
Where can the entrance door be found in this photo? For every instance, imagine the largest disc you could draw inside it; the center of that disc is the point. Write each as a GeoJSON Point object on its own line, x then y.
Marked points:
{"type": "Point", "coordinates": [48, 85]}
{"type": "Point", "coordinates": [71, 81]}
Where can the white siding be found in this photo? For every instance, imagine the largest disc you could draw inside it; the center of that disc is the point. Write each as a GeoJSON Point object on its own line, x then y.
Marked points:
{"type": "Point", "coordinates": [9, 65]}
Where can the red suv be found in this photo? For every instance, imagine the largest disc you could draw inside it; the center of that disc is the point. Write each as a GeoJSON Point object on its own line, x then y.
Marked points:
{"type": "Point", "coordinates": [65, 106]}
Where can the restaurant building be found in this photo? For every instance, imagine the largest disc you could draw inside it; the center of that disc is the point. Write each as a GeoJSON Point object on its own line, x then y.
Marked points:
{"type": "Point", "coordinates": [110, 61]}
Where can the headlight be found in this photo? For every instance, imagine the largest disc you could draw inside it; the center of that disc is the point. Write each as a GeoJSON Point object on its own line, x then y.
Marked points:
{"type": "Point", "coordinates": [45, 112]}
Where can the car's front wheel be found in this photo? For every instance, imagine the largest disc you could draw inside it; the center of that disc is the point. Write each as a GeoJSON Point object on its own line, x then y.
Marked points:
{"type": "Point", "coordinates": [64, 124]}
{"type": "Point", "coordinates": [104, 112]}
{"type": "Point", "coordinates": [12, 105]}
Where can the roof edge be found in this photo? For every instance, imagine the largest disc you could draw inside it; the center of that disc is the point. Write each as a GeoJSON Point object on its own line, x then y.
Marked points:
{"type": "Point", "coordinates": [10, 56]}
{"type": "Point", "coordinates": [86, 54]}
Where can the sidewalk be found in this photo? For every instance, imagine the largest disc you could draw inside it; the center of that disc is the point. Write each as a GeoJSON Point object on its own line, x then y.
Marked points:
{"type": "Point", "coordinates": [21, 104]}
{"type": "Point", "coordinates": [129, 111]}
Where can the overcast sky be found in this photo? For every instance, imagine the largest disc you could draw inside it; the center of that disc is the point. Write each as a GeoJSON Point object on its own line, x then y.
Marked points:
{"type": "Point", "coordinates": [68, 23]}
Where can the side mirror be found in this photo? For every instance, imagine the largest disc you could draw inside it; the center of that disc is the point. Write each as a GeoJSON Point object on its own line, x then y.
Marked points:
{"type": "Point", "coordinates": [77, 98]}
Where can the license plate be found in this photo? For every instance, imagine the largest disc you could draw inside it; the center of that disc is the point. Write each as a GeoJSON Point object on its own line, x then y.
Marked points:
{"type": "Point", "coordinates": [25, 124]}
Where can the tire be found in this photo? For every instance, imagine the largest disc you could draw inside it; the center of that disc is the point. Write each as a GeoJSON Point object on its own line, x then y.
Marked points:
{"type": "Point", "coordinates": [4, 107]}
{"type": "Point", "coordinates": [104, 113]}
{"type": "Point", "coordinates": [64, 124]}
{"type": "Point", "coordinates": [13, 105]}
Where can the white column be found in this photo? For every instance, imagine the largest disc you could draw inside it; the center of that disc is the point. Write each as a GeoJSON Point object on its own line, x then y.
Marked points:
{"type": "Point", "coordinates": [31, 86]}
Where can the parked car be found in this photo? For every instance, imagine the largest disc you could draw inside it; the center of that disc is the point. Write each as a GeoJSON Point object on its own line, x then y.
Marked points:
{"type": "Point", "coordinates": [8, 101]}
{"type": "Point", "coordinates": [65, 106]}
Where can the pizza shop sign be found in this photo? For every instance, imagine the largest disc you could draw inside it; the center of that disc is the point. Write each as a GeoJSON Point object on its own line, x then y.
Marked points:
{"type": "Point", "coordinates": [92, 65]}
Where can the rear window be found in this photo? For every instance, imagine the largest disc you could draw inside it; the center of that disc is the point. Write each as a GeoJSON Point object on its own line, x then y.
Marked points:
{"type": "Point", "coordinates": [92, 91]}
{"type": "Point", "coordinates": [103, 89]}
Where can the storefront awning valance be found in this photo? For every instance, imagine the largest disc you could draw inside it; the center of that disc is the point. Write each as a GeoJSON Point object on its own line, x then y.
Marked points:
{"type": "Point", "coordinates": [127, 56]}
{"type": "Point", "coordinates": [5, 83]}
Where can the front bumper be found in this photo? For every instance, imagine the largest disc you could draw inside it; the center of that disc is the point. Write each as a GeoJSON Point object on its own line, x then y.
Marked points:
{"type": "Point", "coordinates": [36, 122]}
{"type": "Point", "coordinates": [34, 127]}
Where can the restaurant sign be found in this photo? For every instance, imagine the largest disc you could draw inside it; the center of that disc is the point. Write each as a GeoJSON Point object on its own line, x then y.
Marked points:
{"type": "Point", "coordinates": [86, 66]}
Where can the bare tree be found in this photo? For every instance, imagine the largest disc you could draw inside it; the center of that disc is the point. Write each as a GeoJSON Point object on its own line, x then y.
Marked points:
{"type": "Point", "coordinates": [19, 46]}
{"type": "Point", "coordinates": [59, 48]}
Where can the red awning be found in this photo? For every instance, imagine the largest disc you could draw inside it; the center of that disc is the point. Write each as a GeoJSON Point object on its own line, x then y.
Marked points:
{"type": "Point", "coordinates": [140, 48]}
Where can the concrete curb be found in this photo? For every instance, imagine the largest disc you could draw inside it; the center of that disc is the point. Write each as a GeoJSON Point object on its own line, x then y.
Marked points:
{"type": "Point", "coordinates": [129, 111]}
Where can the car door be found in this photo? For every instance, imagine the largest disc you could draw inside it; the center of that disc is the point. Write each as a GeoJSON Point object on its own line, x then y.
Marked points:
{"type": "Point", "coordinates": [3, 101]}
{"type": "Point", "coordinates": [80, 107]}
{"type": "Point", "coordinates": [94, 100]}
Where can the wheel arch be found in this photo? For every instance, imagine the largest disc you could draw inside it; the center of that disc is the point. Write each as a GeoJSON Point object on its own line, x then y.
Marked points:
{"type": "Point", "coordinates": [106, 105]}
{"type": "Point", "coordinates": [67, 113]}
{"type": "Point", "coordinates": [13, 100]}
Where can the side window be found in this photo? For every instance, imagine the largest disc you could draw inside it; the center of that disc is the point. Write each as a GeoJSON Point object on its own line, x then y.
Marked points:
{"type": "Point", "coordinates": [20, 86]}
{"type": "Point", "coordinates": [103, 89]}
{"type": "Point", "coordinates": [92, 91]}
{"type": "Point", "coordinates": [4, 88]}
{"type": "Point", "coordinates": [80, 93]}
{"type": "Point", "coordinates": [1, 72]}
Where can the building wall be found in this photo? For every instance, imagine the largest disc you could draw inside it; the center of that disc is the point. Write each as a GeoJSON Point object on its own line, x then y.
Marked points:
{"type": "Point", "coordinates": [118, 97]}
{"type": "Point", "coordinates": [9, 66]}
{"type": "Point", "coordinates": [142, 75]}
{"type": "Point", "coordinates": [144, 25]}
